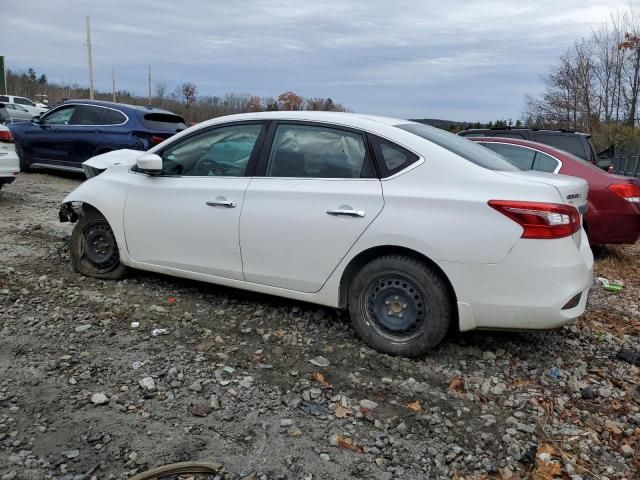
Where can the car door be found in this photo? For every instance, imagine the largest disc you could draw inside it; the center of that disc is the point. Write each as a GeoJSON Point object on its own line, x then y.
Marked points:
{"type": "Point", "coordinates": [45, 141]}
{"type": "Point", "coordinates": [314, 194]}
{"type": "Point", "coordinates": [187, 218]}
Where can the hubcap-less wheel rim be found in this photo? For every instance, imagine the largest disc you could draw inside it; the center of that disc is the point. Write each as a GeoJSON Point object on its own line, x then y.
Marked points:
{"type": "Point", "coordinates": [395, 308]}
{"type": "Point", "coordinates": [100, 247]}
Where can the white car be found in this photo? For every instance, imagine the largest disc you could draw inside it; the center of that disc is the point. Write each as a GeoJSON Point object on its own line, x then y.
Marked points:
{"type": "Point", "coordinates": [9, 162]}
{"type": "Point", "coordinates": [30, 106]}
{"type": "Point", "coordinates": [413, 229]}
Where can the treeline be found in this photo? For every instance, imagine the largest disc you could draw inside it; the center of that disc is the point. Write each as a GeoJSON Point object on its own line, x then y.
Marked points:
{"type": "Point", "coordinates": [456, 127]}
{"type": "Point", "coordinates": [183, 100]}
{"type": "Point", "coordinates": [595, 86]}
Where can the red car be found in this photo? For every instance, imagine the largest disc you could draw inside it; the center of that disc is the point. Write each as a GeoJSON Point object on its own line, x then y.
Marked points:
{"type": "Point", "coordinates": [613, 215]}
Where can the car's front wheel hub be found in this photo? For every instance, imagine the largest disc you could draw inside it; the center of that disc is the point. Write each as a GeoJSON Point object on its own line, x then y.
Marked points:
{"type": "Point", "coordinates": [100, 246]}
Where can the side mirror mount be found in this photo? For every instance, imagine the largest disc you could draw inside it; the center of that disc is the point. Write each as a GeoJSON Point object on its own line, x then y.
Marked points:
{"type": "Point", "coordinates": [37, 120]}
{"type": "Point", "coordinates": [149, 163]}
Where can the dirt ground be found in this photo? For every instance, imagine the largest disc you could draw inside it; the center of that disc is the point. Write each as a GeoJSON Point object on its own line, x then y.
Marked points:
{"type": "Point", "coordinates": [276, 389]}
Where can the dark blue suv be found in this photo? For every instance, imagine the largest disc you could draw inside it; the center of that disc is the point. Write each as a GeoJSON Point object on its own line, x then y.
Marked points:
{"type": "Point", "coordinates": [77, 130]}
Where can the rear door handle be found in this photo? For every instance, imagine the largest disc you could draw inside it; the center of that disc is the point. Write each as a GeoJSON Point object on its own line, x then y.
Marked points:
{"type": "Point", "coordinates": [346, 212]}
{"type": "Point", "coordinates": [221, 203]}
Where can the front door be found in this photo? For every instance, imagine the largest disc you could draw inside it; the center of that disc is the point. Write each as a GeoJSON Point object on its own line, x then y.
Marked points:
{"type": "Point", "coordinates": [188, 217]}
{"type": "Point", "coordinates": [317, 196]}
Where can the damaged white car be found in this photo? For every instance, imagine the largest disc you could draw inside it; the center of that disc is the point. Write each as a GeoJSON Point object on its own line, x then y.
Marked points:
{"type": "Point", "coordinates": [414, 230]}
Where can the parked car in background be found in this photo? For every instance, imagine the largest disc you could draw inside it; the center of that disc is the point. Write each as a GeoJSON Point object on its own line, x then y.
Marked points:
{"type": "Point", "coordinates": [9, 164]}
{"type": "Point", "coordinates": [15, 113]}
{"type": "Point", "coordinates": [292, 204]}
{"type": "Point", "coordinates": [76, 130]}
{"type": "Point", "coordinates": [24, 102]}
{"type": "Point", "coordinates": [613, 215]}
{"type": "Point", "coordinates": [576, 143]}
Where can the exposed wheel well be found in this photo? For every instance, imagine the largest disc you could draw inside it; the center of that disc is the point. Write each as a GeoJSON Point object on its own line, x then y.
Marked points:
{"type": "Point", "coordinates": [366, 256]}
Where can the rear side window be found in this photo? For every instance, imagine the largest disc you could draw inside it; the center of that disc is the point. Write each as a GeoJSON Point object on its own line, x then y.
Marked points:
{"type": "Point", "coordinates": [306, 151]}
{"type": "Point", "coordinates": [509, 135]}
{"type": "Point", "coordinates": [568, 143]}
{"type": "Point", "coordinates": [545, 163]}
{"type": "Point", "coordinates": [112, 117]}
{"type": "Point", "coordinates": [521, 156]}
{"type": "Point", "coordinates": [163, 122]}
{"type": "Point", "coordinates": [461, 146]}
{"type": "Point", "coordinates": [391, 158]}
{"type": "Point", "coordinates": [4, 98]}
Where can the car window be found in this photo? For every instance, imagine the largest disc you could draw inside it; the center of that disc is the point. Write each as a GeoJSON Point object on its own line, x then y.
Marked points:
{"type": "Point", "coordinates": [521, 156]}
{"type": "Point", "coordinates": [508, 135]}
{"type": "Point", "coordinates": [545, 163]}
{"type": "Point", "coordinates": [568, 143]}
{"type": "Point", "coordinates": [86, 115]}
{"type": "Point", "coordinates": [4, 98]}
{"type": "Point", "coordinates": [163, 122]}
{"type": "Point", "coordinates": [391, 158]}
{"type": "Point", "coordinates": [60, 116]}
{"type": "Point", "coordinates": [461, 146]}
{"type": "Point", "coordinates": [109, 116]}
{"type": "Point", "coordinates": [306, 151]}
{"type": "Point", "coordinates": [23, 101]}
{"type": "Point", "coordinates": [221, 152]}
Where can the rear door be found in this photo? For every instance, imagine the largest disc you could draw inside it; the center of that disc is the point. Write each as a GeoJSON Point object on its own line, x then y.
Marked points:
{"type": "Point", "coordinates": [314, 195]}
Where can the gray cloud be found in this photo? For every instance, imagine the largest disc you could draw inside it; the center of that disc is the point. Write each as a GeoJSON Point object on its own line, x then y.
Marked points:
{"type": "Point", "coordinates": [465, 60]}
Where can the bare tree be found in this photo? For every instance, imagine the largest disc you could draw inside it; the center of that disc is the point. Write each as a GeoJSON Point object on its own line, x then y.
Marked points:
{"type": "Point", "coordinates": [189, 92]}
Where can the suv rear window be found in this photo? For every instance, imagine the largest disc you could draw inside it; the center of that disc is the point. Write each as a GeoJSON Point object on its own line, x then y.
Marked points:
{"type": "Point", "coordinates": [461, 146]}
{"type": "Point", "coordinates": [163, 122]}
{"type": "Point", "coordinates": [568, 143]}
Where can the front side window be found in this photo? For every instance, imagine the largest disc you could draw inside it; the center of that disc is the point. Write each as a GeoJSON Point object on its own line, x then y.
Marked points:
{"type": "Point", "coordinates": [220, 152]}
{"type": "Point", "coordinates": [305, 151]}
{"type": "Point", "coordinates": [60, 116]}
{"type": "Point", "coordinates": [521, 156]}
{"type": "Point", "coordinates": [461, 146]}
{"type": "Point", "coordinates": [23, 101]}
{"type": "Point", "coordinates": [545, 163]}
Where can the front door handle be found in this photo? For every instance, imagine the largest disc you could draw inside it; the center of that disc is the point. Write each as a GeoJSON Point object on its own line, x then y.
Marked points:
{"type": "Point", "coordinates": [346, 212]}
{"type": "Point", "coordinates": [221, 203]}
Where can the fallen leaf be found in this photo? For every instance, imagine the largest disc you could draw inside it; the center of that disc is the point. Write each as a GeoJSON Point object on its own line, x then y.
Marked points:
{"type": "Point", "coordinates": [456, 384]}
{"type": "Point", "coordinates": [546, 471]}
{"type": "Point", "coordinates": [612, 427]}
{"type": "Point", "coordinates": [319, 377]}
{"type": "Point", "coordinates": [347, 443]}
{"type": "Point", "coordinates": [342, 412]}
{"type": "Point", "coordinates": [415, 406]}
{"type": "Point", "coordinates": [546, 448]}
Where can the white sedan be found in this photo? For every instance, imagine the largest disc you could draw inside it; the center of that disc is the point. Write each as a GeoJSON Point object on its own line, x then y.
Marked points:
{"type": "Point", "coordinates": [9, 161]}
{"type": "Point", "coordinates": [414, 230]}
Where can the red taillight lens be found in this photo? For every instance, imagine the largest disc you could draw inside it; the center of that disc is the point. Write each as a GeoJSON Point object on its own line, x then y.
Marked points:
{"type": "Point", "coordinates": [155, 140]}
{"type": "Point", "coordinates": [540, 220]}
{"type": "Point", "coordinates": [629, 191]}
{"type": "Point", "coordinates": [6, 137]}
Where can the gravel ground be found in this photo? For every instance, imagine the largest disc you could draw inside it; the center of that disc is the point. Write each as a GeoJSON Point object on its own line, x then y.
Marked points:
{"type": "Point", "coordinates": [272, 388]}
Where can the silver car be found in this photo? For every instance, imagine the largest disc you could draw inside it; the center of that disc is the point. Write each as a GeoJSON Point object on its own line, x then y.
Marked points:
{"type": "Point", "coordinates": [15, 113]}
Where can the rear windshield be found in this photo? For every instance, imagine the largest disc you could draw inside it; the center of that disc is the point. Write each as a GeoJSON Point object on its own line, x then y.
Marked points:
{"type": "Point", "coordinates": [568, 143]}
{"type": "Point", "coordinates": [163, 122]}
{"type": "Point", "coordinates": [462, 147]}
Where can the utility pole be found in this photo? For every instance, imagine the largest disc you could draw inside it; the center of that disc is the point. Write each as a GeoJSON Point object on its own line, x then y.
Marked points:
{"type": "Point", "coordinates": [149, 78]}
{"type": "Point", "coordinates": [113, 83]}
{"type": "Point", "coordinates": [90, 59]}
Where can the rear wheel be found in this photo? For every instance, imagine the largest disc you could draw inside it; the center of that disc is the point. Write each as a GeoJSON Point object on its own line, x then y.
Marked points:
{"type": "Point", "coordinates": [400, 306]}
{"type": "Point", "coordinates": [94, 250]}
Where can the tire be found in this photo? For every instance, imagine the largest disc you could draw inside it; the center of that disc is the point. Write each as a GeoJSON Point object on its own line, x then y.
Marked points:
{"type": "Point", "coordinates": [400, 306]}
{"type": "Point", "coordinates": [24, 163]}
{"type": "Point", "coordinates": [94, 250]}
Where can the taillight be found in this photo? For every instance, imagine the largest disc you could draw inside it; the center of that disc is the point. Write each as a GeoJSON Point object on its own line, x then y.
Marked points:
{"type": "Point", "coordinates": [629, 191]}
{"type": "Point", "coordinates": [540, 220]}
{"type": "Point", "coordinates": [5, 136]}
{"type": "Point", "coordinates": [155, 140]}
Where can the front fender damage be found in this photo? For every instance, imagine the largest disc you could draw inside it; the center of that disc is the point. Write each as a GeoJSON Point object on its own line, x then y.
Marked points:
{"type": "Point", "coordinates": [70, 212]}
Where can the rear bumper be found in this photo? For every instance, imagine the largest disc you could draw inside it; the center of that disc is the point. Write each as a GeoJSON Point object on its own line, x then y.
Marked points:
{"type": "Point", "coordinates": [528, 289]}
{"type": "Point", "coordinates": [614, 226]}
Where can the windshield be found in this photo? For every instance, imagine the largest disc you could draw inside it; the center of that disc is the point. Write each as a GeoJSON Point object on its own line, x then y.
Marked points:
{"type": "Point", "coordinates": [462, 147]}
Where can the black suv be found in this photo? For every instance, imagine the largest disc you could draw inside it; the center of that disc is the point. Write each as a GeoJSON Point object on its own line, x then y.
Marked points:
{"type": "Point", "coordinates": [576, 143]}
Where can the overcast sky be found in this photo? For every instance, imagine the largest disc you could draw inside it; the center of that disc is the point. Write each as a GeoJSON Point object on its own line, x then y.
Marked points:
{"type": "Point", "coordinates": [457, 60]}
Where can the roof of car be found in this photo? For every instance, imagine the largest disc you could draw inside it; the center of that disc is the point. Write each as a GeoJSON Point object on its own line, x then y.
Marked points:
{"type": "Point", "coordinates": [104, 103]}
{"type": "Point", "coordinates": [523, 129]}
{"type": "Point", "coordinates": [310, 115]}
